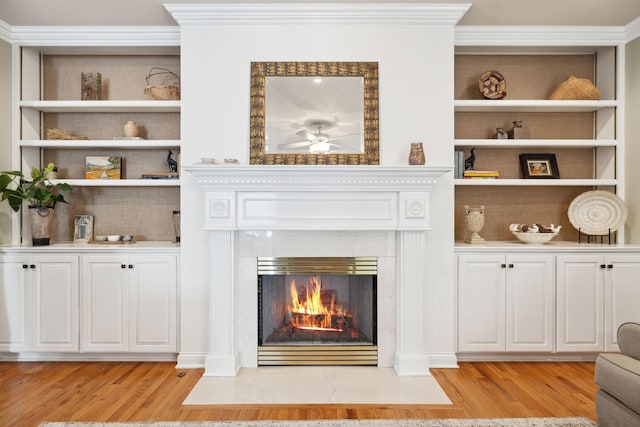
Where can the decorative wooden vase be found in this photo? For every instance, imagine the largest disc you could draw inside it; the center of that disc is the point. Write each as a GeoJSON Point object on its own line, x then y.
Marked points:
{"type": "Point", "coordinates": [416, 154]}
{"type": "Point", "coordinates": [474, 220]}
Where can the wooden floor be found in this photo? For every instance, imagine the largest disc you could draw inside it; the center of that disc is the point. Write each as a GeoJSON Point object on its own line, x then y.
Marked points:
{"type": "Point", "coordinates": [34, 392]}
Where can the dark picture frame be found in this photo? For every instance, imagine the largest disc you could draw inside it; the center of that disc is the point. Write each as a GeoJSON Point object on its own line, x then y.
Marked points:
{"type": "Point", "coordinates": [539, 166]}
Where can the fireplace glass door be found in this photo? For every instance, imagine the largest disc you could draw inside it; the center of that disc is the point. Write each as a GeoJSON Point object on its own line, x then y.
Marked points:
{"type": "Point", "coordinates": [317, 311]}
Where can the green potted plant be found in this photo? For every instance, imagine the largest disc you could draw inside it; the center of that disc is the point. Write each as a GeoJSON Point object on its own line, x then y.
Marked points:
{"type": "Point", "coordinates": [40, 194]}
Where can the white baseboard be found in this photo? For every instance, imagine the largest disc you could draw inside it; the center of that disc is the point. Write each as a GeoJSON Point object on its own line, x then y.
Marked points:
{"type": "Point", "coordinates": [191, 360]}
{"type": "Point", "coordinates": [87, 357]}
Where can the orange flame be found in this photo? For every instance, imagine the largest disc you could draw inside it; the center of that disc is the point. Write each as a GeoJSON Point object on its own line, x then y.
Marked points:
{"type": "Point", "coordinates": [311, 312]}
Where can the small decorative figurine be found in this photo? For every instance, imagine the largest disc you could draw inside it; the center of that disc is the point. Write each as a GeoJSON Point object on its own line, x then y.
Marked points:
{"type": "Point", "coordinates": [468, 163]}
{"type": "Point", "coordinates": [519, 131]}
{"type": "Point", "coordinates": [416, 155]}
{"type": "Point", "coordinates": [173, 165]}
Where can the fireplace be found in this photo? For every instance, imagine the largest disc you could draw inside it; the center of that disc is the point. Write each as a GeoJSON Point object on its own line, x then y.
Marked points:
{"type": "Point", "coordinates": [325, 211]}
{"type": "Point", "coordinates": [317, 311]}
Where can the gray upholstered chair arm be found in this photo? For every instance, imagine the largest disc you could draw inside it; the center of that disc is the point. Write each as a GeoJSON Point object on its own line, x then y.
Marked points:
{"type": "Point", "coordinates": [629, 339]}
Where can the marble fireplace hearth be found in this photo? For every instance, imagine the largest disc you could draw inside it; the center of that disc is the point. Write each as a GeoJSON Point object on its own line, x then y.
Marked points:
{"type": "Point", "coordinates": [324, 211]}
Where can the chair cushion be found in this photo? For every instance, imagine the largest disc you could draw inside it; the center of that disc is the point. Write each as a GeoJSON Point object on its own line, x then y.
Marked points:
{"type": "Point", "coordinates": [619, 375]}
{"type": "Point", "coordinates": [629, 339]}
{"type": "Point", "coordinates": [612, 413]}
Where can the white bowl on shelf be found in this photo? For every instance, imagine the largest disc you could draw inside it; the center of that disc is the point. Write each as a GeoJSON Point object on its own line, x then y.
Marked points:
{"type": "Point", "coordinates": [114, 237]}
{"type": "Point", "coordinates": [534, 238]}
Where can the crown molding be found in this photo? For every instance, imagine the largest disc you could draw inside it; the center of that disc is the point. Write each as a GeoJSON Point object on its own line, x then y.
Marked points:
{"type": "Point", "coordinates": [305, 14]}
{"type": "Point", "coordinates": [96, 36]}
{"type": "Point", "coordinates": [538, 36]}
{"type": "Point", "coordinates": [632, 30]}
{"type": "Point", "coordinates": [5, 31]}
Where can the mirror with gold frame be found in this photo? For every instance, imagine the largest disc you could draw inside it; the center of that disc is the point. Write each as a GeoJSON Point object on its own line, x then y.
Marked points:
{"type": "Point", "coordinates": [314, 113]}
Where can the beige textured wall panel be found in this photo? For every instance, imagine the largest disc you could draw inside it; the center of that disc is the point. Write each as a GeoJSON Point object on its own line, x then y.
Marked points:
{"type": "Point", "coordinates": [123, 76]}
{"type": "Point", "coordinates": [527, 76]}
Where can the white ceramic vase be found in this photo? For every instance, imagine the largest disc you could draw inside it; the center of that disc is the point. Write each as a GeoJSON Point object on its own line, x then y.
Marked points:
{"type": "Point", "coordinates": [131, 129]}
{"type": "Point", "coordinates": [474, 220]}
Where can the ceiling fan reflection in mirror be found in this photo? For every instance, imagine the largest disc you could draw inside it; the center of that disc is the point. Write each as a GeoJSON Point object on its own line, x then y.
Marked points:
{"type": "Point", "coordinates": [318, 142]}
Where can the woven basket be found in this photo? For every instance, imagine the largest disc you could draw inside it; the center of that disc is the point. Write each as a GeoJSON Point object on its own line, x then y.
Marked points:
{"type": "Point", "coordinates": [575, 88]}
{"type": "Point", "coordinates": [170, 89]}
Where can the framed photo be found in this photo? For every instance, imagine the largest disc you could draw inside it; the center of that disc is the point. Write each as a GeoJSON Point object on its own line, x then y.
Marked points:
{"type": "Point", "coordinates": [83, 229]}
{"type": "Point", "coordinates": [539, 166]}
{"type": "Point", "coordinates": [103, 167]}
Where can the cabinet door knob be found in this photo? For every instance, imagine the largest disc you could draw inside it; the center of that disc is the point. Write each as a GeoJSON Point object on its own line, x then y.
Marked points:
{"type": "Point", "coordinates": [32, 266]}
{"type": "Point", "coordinates": [510, 265]}
{"type": "Point", "coordinates": [503, 265]}
{"type": "Point", "coordinates": [25, 266]}
{"type": "Point", "coordinates": [602, 266]}
{"type": "Point", "coordinates": [130, 265]}
{"type": "Point", "coordinates": [123, 266]}
{"type": "Point", "coordinates": [610, 266]}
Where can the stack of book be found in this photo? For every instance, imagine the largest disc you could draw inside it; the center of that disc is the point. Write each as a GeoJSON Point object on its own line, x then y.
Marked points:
{"type": "Point", "coordinates": [475, 174]}
{"type": "Point", "coordinates": [458, 162]}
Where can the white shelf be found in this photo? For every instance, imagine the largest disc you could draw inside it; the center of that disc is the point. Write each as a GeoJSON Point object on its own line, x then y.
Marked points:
{"type": "Point", "coordinates": [537, 182]}
{"type": "Point", "coordinates": [123, 106]}
{"type": "Point", "coordinates": [119, 182]}
{"type": "Point", "coordinates": [536, 143]}
{"type": "Point", "coordinates": [532, 106]}
{"type": "Point", "coordinates": [107, 143]}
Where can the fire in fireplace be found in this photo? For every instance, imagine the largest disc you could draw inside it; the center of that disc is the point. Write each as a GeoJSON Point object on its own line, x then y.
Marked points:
{"type": "Point", "coordinates": [317, 311]}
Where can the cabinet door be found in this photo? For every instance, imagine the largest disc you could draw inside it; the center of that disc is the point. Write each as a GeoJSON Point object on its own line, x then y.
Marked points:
{"type": "Point", "coordinates": [153, 304]}
{"type": "Point", "coordinates": [580, 296]}
{"type": "Point", "coordinates": [55, 303]}
{"type": "Point", "coordinates": [530, 286]}
{"type": "Point", "coordinates": [105, 303]}
{"type": "Point", "coordinates": [622, 295]}
{"type": "Point", "coordinates": [14, 307]}
{"type": "Point", "coordinates": [481, 302]}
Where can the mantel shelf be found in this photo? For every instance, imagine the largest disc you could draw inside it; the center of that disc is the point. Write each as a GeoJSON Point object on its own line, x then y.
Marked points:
{"type": "Point", "coordinates": [124, 106]}
{"type": "Point", "coordinates": [534, 106]}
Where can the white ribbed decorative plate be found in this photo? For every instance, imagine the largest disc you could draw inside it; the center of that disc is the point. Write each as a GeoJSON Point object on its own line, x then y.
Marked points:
{"type": "Point", "coordinates": [597, 212]}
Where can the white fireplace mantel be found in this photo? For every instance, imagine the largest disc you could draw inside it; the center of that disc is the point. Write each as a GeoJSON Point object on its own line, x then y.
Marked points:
{"type": "Point", "coordinates": [349, 199]}
{"type": "Point", "coordinates": [316, 197]}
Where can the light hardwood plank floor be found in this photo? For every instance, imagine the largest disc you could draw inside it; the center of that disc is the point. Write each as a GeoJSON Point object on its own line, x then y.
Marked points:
{"type": "Point", "coordinates": [33, 392]}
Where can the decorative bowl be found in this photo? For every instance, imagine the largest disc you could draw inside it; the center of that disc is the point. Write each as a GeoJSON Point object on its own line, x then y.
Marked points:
{"type": "Point", "coordinates": [534, 238]}
{"type": "Point", "coordinates": [100, 238]}
{"type": "Point", "coordinates": [114, 237]}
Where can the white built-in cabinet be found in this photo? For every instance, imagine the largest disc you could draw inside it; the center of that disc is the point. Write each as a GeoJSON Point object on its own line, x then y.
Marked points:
{"type": "Point", "coordinates": [129, 303]}
{"type": "Point", "coordinates": [77, 299]}
{"type": "Point", "coordinates": [596, 294]}
{"type": "Point", "coordinates": [513, 298]}
{"type": "Point", "coordinates": [505, 302]}
{"type": "Point", "coordinates": [40, 303]}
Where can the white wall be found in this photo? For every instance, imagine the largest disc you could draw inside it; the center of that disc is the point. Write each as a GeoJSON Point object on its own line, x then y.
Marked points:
{"type": "Point", "coordinates": [632, 141]}
{"type": "Point", "coordinates": [416, 104]}
{"type": "Point", "coordinates": [5, 134]}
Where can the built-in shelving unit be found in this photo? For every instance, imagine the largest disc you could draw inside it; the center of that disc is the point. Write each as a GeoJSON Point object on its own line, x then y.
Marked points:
{"type": "Point", "coordinates": [584, 135]}
{"type": "Point", "coordinates": [50, 98]}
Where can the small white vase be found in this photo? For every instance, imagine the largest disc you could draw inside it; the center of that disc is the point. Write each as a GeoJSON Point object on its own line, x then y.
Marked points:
{"type": "Point", "coordinates": [131, 129]}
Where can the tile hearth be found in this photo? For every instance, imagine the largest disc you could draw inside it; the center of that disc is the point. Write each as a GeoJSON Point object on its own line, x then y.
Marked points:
{"type": "Point", "coordinates": [317, 385]}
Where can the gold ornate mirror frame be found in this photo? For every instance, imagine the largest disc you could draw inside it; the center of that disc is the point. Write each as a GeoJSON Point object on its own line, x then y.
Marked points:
{"type": "Point", "coordinates": [367, 70]}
